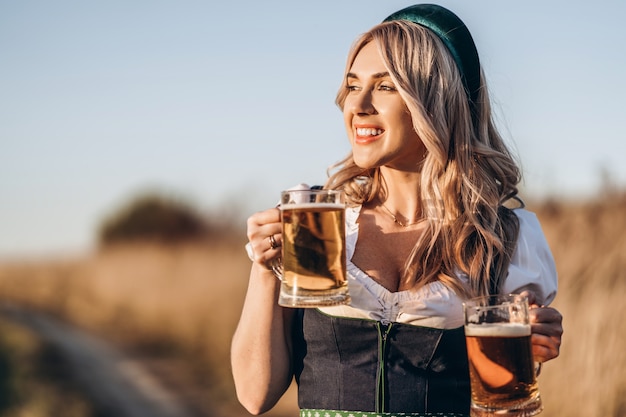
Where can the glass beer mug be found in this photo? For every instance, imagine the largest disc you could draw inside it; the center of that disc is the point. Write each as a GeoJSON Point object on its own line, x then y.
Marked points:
{"type": "Point", "coordinates": [313, 272]}
{"type": "Point", "coordinates": [502, 369]}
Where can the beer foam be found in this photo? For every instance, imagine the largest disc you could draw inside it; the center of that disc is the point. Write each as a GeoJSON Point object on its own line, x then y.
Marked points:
{"type": "Point", "coordinates": [292, 206]}
{"type": "Point", "coordinates": [497, 329]}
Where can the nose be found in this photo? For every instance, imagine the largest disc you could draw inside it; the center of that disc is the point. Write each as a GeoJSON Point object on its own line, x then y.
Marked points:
{"type": "Point", "coordinates": [361, 102]}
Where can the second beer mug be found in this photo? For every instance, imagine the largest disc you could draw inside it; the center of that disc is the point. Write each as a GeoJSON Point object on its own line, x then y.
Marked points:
{"type": "Point", "coordinates": [502, 369]}
{"type": "Point", "coordinates": [314, 249]}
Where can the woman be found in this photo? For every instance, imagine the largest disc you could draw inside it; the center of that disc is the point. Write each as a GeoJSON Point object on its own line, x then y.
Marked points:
{"type": "Point", "coordinates": [429, 183]}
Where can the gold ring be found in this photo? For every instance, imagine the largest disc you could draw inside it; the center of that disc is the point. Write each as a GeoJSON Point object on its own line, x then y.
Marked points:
{"type": "Point", "coordinates": [273, 243]}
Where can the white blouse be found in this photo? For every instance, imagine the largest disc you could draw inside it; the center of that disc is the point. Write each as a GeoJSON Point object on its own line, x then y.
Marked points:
{"type": "Point", "coordinates": [435, 305]}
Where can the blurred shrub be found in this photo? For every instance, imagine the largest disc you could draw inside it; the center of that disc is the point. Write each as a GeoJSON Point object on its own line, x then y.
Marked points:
{"type": "Point", "coordinates": [155, 218]}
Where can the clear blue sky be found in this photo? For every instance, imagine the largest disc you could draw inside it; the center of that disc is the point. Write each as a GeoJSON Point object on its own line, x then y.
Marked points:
{"type": "Point", "coordinates": [217, 101]}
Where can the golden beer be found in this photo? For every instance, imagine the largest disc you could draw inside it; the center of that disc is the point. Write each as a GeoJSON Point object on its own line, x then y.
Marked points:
{"type": "Point", "coordinates": [314, 255]}
{"type": "Point", "coordinates": [501, 364]}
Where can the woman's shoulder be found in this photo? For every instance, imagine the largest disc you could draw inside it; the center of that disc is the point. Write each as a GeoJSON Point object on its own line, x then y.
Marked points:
{"type": "Point", "coordinates": [530, 227]}
{"type": "Point", "coordinates": [532, 265]}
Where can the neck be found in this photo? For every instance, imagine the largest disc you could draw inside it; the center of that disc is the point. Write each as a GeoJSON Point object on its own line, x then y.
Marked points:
{"type": "Point", "coordinates": [402, 195]}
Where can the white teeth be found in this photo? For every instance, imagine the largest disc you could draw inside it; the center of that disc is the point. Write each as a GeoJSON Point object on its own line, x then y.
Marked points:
{"type": "Point", "coordinates": [366, 131]}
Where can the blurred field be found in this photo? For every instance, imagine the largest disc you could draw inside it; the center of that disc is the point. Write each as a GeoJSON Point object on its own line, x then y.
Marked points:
{"type": "Point", "coordinates": [34, 380]}
{"type": "Point", "coordinates": [177, 307]}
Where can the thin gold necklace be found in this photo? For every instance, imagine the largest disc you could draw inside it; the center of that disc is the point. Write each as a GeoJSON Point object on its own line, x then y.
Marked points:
{"type": "Point", "coordinates": [395, 219]}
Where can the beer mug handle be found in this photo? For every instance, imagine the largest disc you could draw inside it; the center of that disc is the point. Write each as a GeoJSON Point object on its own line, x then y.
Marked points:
{"type": "Point", "coordinates": [276, 265]}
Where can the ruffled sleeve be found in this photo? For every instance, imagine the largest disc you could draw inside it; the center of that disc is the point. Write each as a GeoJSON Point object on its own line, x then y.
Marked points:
{"type": "Point", "coordinates": [532, 265]}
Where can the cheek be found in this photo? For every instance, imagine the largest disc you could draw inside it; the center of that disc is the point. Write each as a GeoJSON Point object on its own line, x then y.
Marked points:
{"type": "Point", "coordinates": [405, 118]}
{"type": "Point", "coordinates": [406, 123]}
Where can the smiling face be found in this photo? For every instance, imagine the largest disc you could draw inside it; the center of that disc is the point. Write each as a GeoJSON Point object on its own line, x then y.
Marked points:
{"type": "Point", "coordinates": [377, 120]}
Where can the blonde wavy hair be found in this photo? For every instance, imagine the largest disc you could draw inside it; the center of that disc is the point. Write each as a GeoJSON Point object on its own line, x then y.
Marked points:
{"type": "Point", "coordinates": [468, 173]}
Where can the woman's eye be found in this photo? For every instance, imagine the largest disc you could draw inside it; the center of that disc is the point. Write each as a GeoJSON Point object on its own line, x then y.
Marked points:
{"type": "Point", "coordinates": [352, 87]}
{"type": "Point", "coordinates": [387, 87]}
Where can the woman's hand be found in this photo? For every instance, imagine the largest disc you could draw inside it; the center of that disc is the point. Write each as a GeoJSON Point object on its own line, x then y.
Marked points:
{"type": "Point", "coordinates": [547, 329]}
{"type": "Point", "coordinates": [264, 236]}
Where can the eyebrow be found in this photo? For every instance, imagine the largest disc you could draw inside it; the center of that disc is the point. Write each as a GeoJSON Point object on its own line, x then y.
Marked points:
{"type": "Point", "coordinates": [376, 76]}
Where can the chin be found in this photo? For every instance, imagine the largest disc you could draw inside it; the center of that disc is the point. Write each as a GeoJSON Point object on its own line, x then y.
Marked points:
{"type": "Point", "coordinates": [365, 164]}
{"type": "Point", "coordinates": [364, 160]}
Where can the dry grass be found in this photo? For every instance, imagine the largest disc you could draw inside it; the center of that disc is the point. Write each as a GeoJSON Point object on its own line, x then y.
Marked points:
{"type": "Point", "coordinates": [175, 306]}
{"type": "Point", "coordinates": [182, 304]}
{"type": "Point", "coordinates": [588, 240]}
